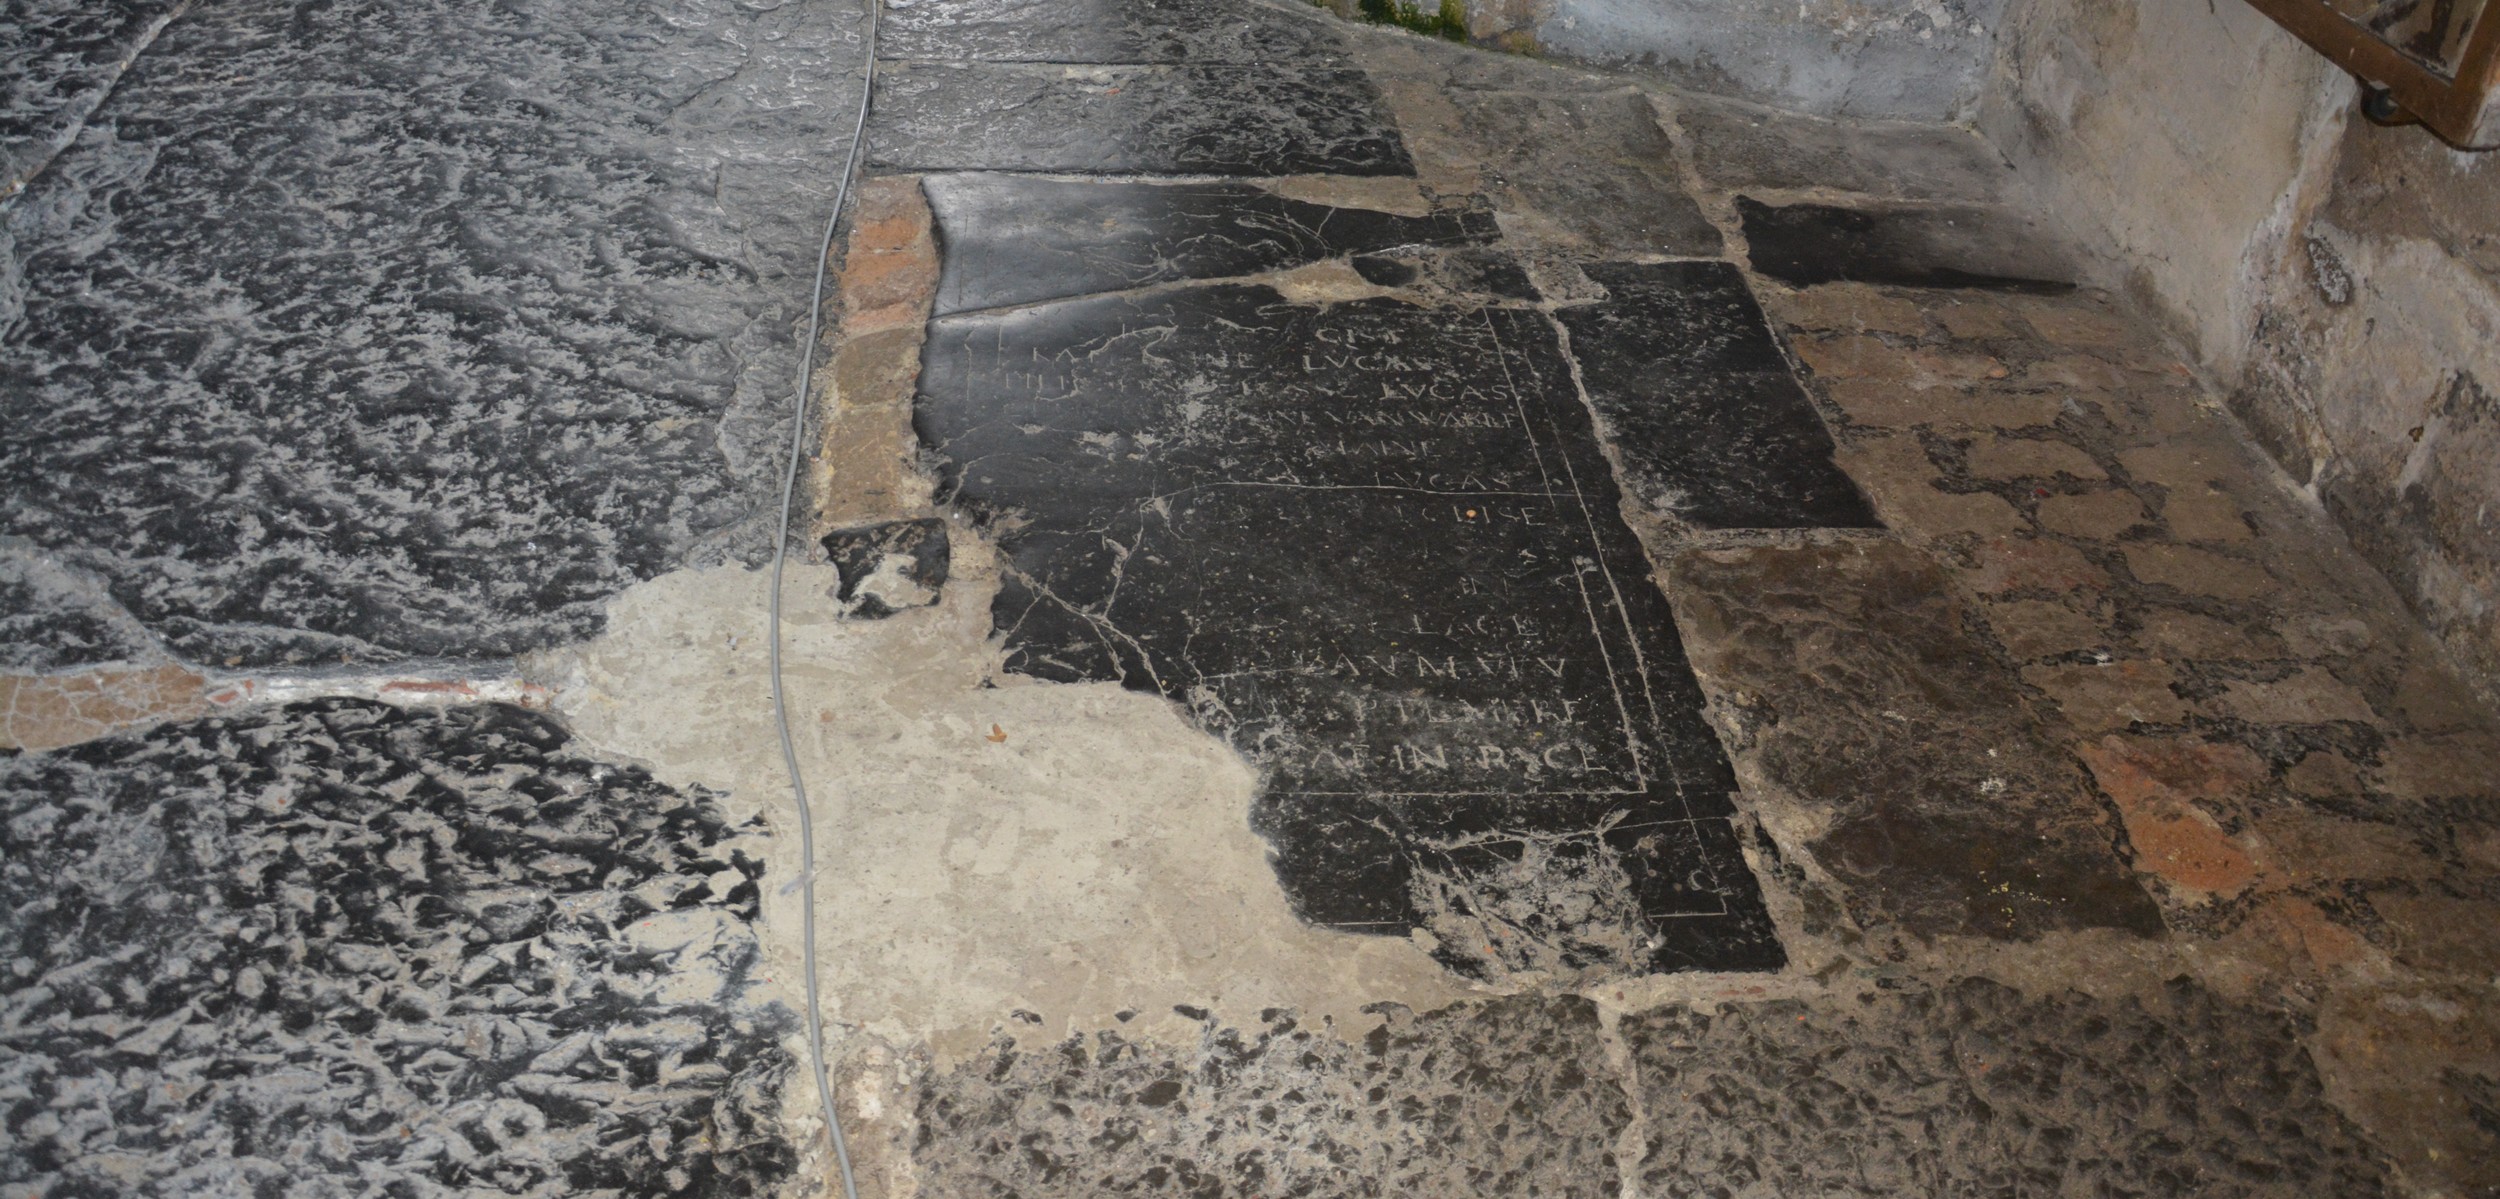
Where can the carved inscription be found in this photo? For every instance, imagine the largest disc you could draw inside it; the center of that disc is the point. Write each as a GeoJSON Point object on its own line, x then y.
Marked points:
{"type": "Point", "coordinates": [1373, 545]}
{"type": "Point", "coordinates": [1451, 626]}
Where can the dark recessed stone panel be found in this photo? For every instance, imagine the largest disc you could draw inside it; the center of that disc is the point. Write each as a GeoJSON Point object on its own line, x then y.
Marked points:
{"type": "Point", "coordinates": [1124, 120]}
{"type": "Point", "coordinates": [1105, 31]}
{"type": "Point", "coordinates": [58, 60]}
{"type": "Point", "coordinates": [1374, 545]}
{"type": "Point", "coordinates": [344, 948]}
{"type": "Point", "coordinates": [1510, 1097]}
{"type": "Point", "coordinates": [1976, 1089]}
{"type": "Point", "coordinates": [1910, 245]}
{"type": "Point", "coordinates": [1712, 427]}
{"type": "Point", "coordinates": [1015, 239]}
{"type": "Point", "coordinates": [416, 328]}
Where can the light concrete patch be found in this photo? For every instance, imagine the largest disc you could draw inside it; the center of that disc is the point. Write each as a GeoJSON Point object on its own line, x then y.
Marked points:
{"type": "Point", "coordinates": [987, 844]}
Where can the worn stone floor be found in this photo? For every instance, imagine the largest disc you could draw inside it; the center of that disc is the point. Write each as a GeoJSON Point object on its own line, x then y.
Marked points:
{"type": "Point", "coordinates": [1375, 619]}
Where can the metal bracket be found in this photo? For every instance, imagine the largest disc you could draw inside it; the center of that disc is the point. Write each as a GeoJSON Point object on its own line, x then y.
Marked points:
{"type": "Point", "coordinates": [2459, 101]}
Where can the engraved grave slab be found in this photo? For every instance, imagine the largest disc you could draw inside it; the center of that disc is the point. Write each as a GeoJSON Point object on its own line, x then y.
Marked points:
{"type": "Point", "coordinates": [1376, 547]}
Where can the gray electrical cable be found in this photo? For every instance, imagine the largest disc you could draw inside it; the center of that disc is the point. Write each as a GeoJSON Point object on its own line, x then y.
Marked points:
{"type": "Point", "coordinates": [781, 558]}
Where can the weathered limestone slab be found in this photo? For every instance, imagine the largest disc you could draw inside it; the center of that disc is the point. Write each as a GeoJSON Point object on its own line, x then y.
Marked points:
{"type": "Point", "coordinates": [1154, 119]}
{"type": "Point", "coordinates": [1595, 168]}
{"type": "Point", "coordinates": [1739, 147]}
{"type": "Point", "coordinates": [1887, 736]}
{"type": "Point", "coordinates": [1013, 239]}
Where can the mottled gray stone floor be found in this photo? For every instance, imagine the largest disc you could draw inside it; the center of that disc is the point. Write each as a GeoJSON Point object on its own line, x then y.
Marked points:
{"type": "Point", "coordinates": [1965, 1089]}
{"type": "Point", "coordinates": [1841, 717]}
{"type": "Point", "coordinates": [399, 330]}
{"type": "Point", "coordinates": [344, 948]}
{"type": "Point", "coordinates": [59, 59]}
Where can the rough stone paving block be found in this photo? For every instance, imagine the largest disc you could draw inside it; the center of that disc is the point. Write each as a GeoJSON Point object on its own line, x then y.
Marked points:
{"type": "Point", "coordinates": [58, 60]}
{"type": "Point", "coordinates": [888, 567]}
{"type": "Point", "coordinates": [1855, 687]}
{"type": "Point", "coordinates": [1510, 1097]}
{"type": "Point", "coordinates": [1015, 239]}
{"type": "Point", "coordinates": [1104, 31]}
{"type": "Point", "coordinates": [416, 328]}
{"type": "Point", "coordinates": [1186, 120]}
{"type": "Point", "coordinates": [1470, 710]}
{"type": "Point", "coordinates": [1911, 245]}
{"type": "Point", "coordinates": [1712, 427]}
{"type": "Point", "coordinates": [1974, 1089]}
{"type": "Point", "coordinates": [342, 947]}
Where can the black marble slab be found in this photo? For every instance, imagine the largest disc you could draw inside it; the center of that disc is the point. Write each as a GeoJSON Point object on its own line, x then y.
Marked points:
{"type": "Point", "coordinates": [1015, 239]}
{"type": "Point", "coordinates": [421, 327]}
{"type": "Point", "coordinates": [343, 948]}
{"type": "Point", "coordinates": [1375, 545]}
{"type": "Point", "coordinates": [1708, 421]}
{"type": "Point", "coordinates": [1910, 245]}
{"type": "Point", "coordinates": [1105, 31]}
{"type": "Point", "coordinates": [1129, 120]}
{"type": "Point", "coordinates": [58, 60]}
{"type": "Point", "coordinates": [888, 567]}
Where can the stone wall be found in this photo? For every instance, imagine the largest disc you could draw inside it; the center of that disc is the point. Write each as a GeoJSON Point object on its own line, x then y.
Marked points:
{"type": "Point", "coordinates": [2168, 135]}
{"type": "Point", "coordinates": [2374, 370]}
{"type": "Point", "coordinates": [2341, 282]}
{"type": "Point", "coordinates": [1920, 60]}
